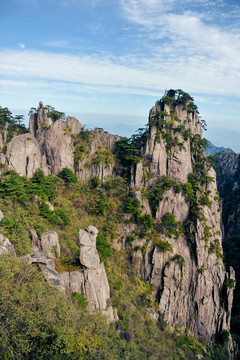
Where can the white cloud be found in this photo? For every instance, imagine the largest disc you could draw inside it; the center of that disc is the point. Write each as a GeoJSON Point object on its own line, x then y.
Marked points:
{"type": "Point", "coordinates": [21, 45]}
{"type": "Point", "coordinates": [179, 49]}
{"type": "Point", "coordinates": [195, 74]}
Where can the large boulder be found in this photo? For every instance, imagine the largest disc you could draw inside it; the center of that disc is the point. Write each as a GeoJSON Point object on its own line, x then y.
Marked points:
{"type": "Point", "coordinates": [58, 149]}
{"type": "Point", "coordinates": [24, 155]}
{"type": "Point", "coordinates": [5, 246]}
{"type": "Point", "coordinates": [50, 244]}
{"type": "Point", "coordinates": [74, 125]}
{"type": "Point", "coordinates": [88, 253]}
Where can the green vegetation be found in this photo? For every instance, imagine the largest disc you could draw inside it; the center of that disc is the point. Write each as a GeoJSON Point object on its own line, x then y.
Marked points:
{"type": "Point", "coordinates": [230, 283]}
{"type": "Point", "coordinates": [18, 188]}
{"type": "Point", "coordinates": [13, 125]}
{"type": "Point", "coordinates": [103, 247]}
{"type": "Point", "coordinates": [178, 259]}
{"type": "Point", "coordinates": [37, 322]}
{"type": "Point", "coordinates": [156, 191]}
{"type": "Point", "coordinates": [54, 114]}
{"type": "Point", "coordinates": [163, 245]}
{"type": "Point", "coordinates": [215, 248]}
{"type": "Point", "coordinates": [128, 151]}
{"type": "Point", "coordinates": [68, 176]}
{"type": "Point", "coordinates": [170, 226]}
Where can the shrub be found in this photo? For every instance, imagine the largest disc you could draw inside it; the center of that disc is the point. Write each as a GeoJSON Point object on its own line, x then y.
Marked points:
{"type": "Point", "coordinates": [68, 176]}
{"type": "Point", "coordinates": [43, 186]}
{"type": "Point", "coordinates": [230, 283]}
{"type": "Point", "coordinates": [80, 300]}
{"type": "Point", "coordinates": [216, 248]}
{"type": "Point", "coordinates": [163, 245]}
{"type": "Point", "coordinates": [170, 226]}
{"type": "Point", "coordinates": [94, 182]}
{"type": "Point", "coordinates": [131, 238]}
{"type": "Point", "coordinates": [223, 336]}
{"type": "Point", "coordinates": [56, 217]}
{"type": "Point", "coordinates": [179, 259]}
{"type": "Point", "coordinates": [103, 247]}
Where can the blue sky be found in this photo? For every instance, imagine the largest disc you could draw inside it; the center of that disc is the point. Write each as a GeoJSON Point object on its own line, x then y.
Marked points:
{"type": "Point", "coordinates": [109, 61]}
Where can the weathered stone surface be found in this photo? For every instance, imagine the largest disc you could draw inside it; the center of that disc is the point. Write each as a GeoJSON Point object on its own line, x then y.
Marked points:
{"type": "Point", "coordinates": [35, 239]}
{"type": "Point", "coordinates": [95, 285]}
{"type": "Point", "coordinates": [51, 207]}
{"type": "Point", "coordinates": [47, 267]}
{"type": "Point", "coordinates": [1, 142]}
{"type": "Point", "coordinates": [87, 167]}
{"type": "Point", "coordinates": [88, 253]}
{"type": "Point", "coordinates": [91, 281]}
{"type": "Point", "coordinates": [179, 162]}
{"type": "Point", "coordinates": [1, 215]}
{"type": "Point", "coordinates": [5, 246]}
{"type": "Point", "coordinates": [50, 244]}
{"type": "Point", "coordinates": [24, 155]}
{"type": "Point", "coordinates": [173, 203]}
{"type": "Point", "coordinates": [57, 145]}
{"type": "Point", "coordinates": [74, 125]}
{"type": "Point", "coordinates": [188, 283]}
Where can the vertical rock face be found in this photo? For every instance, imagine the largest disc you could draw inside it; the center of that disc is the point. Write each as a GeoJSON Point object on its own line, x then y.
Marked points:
{"type": "Point", "coordinates": [74, 125]}
{"type": "Point", "coordinates": [95, 283]}
{"type": "Point", "coordinates": [50, 244]}
{"type": "Point", "coordinates": [24, 155]}
{"type": "Point", "coordinates": [57, 145]}
{"type": "Point", "coordinates": [228, 179]}
{"type": "Point", "coordinates": [54, 145]}
{"type": "Point", "coordinates": [6, 247]}
{"type": "Point", "coordinates": [184, 263]}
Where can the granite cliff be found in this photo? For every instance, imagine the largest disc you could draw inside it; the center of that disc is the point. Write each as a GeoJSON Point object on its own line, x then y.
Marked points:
{"type": "Point", "coordinates": [228, 180]}
{"type": "Point", "coordinates": [176, 183]}
{"type": "Point", "coordinates": [167, 220]}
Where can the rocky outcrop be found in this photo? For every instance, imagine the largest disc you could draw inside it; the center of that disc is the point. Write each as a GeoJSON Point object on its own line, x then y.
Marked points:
{"type": "Point", "coordinates": [98, 158]}
{"type": "Point", "coordinates": [167, 149]}
{"type": "Point", "coordinates": [74, 125]}
{"type": "Point", "coordinates": [6, 247]}
{"type": "Point", "coordinates": [185, 266]}
{"type": "Point", "coordinates": [228, 180]}
{"type": "Point", "coordinates": [24, 155]}
{"type": "Point", "coordinates": [50, 244]}
{"type": "Point", "coordinates": [90, 280]}
{"type": "Point", "coordinates": [55, 144]}
{"type": "Point", "coordinates": [1, 215]}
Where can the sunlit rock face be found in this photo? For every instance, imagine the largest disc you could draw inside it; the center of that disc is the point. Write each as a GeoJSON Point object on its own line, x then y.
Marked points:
{"type": "Point", "coordinates": [189, 277]}
{"type": "Point", "coordinates": [90, 280]}
{"type": "Point", "coordinates": [53, 145]}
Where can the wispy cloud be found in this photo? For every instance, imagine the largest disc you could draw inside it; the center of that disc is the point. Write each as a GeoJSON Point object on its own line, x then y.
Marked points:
{"type": "Point", "coordinates": [21, 45]}
{"type": "Point", "coordinates": [111, 74]}
{"type": "Point", "coordinates": [178, 48]}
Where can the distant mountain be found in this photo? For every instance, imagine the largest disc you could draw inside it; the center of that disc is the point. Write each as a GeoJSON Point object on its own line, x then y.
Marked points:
{"type": "Point", "coordinates": [212, 149]}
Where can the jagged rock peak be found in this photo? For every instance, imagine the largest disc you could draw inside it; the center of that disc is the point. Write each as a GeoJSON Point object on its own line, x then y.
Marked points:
{"type": "Point", "coordinates": [173, 124]}
{"type": "Point", "coordinates": [186, 267]}
{"type": "Point", "coordinates": [44, 116]}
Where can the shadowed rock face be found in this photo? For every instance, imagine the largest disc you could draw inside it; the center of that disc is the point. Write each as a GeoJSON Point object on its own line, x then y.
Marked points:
{"type": "Point", "coordinates": [228, 180]}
